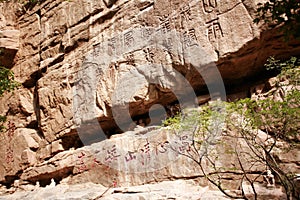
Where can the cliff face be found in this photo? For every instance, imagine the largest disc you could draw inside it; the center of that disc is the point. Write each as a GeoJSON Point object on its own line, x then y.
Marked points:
{"type": "Point", "coordinates": [81, 61]}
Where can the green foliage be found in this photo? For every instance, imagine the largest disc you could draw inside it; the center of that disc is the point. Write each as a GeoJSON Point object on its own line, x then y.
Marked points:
{"type": "Point", "coordinates": [7, 84]}
{"type": "Point", "coordinates": [276, 12]}
{"type": "Point", "coordinates": [279, 118]}
{"type": "Point", "coordinates": [206, 118]}
{"type": "Point", "coordinates": [289, 70]}
{"type": "Point", "coordinates": [272, 63]}
{"type": "Point", "coordinates": [173, 122]}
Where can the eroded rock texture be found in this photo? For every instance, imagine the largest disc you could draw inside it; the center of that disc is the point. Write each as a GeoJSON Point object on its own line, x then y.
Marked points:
{"type": "Point", "coordinates": [57, 46]}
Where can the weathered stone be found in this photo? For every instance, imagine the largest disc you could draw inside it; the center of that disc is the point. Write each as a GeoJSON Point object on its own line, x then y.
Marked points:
{"type": "Point", "coordinates": [151, 153]}
{"type": "Point", "coordinates": [9, 39]}
{"type": "Point", "coordinates": [28, 136]}
{"type": "Point", "coordinates": [28, 157]}
{"type": "Point", "coordinates": [9, 45]}
{"type": "Point", "coordinates": [263, 192]}
{"type": "Point", "coordinates": [15, 142]}
{"type": "Point", "coordinates": [26, 103]}
{"type": "Point", "coordinates": [180, 189]}
{"type": "Point", "coordinates": [272, 82]}
{"type": "Point", "coordinates": [83, 29]}
{"type": "Point", "coordinates": [45, 152]}
{"type": "Point", "coordinates": [56, 147]}
{"type": "Point", "coordinates": [237, 96]}
{"type": "Point", "coordinates": [164, 190]}
{"type": "Point", "coordinates": [203, 99]}
{"type": "Point", "coordinates": [58, 39]}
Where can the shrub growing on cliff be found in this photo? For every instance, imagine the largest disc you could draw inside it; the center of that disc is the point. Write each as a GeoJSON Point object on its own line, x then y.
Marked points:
{"type": "Point", "coordinates": [254, 127]}
{"type": "Point", "coordinates": [276, 12]}
{"type": "Point", "coordinates": [281, 121]}
{"type": "Point", "coordinates": [7, 84]}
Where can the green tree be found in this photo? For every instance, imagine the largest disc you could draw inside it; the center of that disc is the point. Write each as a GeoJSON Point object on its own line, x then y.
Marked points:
{"type": "Point", "coordinates": [277, 12]}
{"type": "Point", "coordinates": [243, 124]}
{"type": "Point", "coordinates": [7, 84]}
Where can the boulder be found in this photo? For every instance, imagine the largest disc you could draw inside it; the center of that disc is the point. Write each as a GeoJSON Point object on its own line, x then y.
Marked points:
{"type": "Point", "coordinates": [18, 151]}
{"type": "Point", "coordinates": [56, 147]}
{"type": "Point", "coordinates": [9, 45]}
{"type": "Point", "coordinates": [29, 157]}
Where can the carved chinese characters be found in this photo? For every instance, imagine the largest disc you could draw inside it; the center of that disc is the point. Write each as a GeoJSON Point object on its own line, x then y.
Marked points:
{"type": "Point", "coordinates": [145, 153]}
{"type": "Point", "coordinates": [190, 38]}
{"type": "Point", "coordinates": [111, 154]}
{"type": "Point", "coordinates": [214, 30]}
{"type": "Point", "coordinates": [165, 24]}
{"type": "Point", "coordinates": [185, 13]}
{"type": "Point", "coordinates": [81, 162]}
{"type": "Point", "coordinates": [209, 5]}
{"type": "Point", "coordinates": [128, 39]}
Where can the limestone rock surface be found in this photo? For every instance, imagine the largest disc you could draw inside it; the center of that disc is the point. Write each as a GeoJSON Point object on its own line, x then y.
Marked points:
{"type": "Point", "coordinates": [164, 190]}
{"type": "Point", "coordinates": [81, 62]}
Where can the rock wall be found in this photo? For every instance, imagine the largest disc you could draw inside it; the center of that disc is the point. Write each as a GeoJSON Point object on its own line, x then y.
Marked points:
{"type": "Point", "coordinates": [48, 44]}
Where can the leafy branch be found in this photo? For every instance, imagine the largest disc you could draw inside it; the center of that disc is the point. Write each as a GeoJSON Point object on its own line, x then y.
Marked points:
{"type": "Point", "coordinates": [279, 12]}
{"type": "Point", "coordinates": [7, 84]}
{"type": "Point", "coordinates": [253, 127]}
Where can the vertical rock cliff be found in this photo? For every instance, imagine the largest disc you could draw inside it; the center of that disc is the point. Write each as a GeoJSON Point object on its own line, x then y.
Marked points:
{"type": "Point", "coordinates": [51, 45]}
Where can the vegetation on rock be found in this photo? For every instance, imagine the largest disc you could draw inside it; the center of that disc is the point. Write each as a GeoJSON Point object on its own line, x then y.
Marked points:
{"type": "Point", "coordinates": [277, 12]}
{"type": "Point", "coordinates": [7, 84]}
{"type": "Point", "coordinates": [263, 126]}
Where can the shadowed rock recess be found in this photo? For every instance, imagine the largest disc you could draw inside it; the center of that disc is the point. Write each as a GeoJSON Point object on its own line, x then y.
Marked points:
{"type": "Point", "coordinates": [78, 61]}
